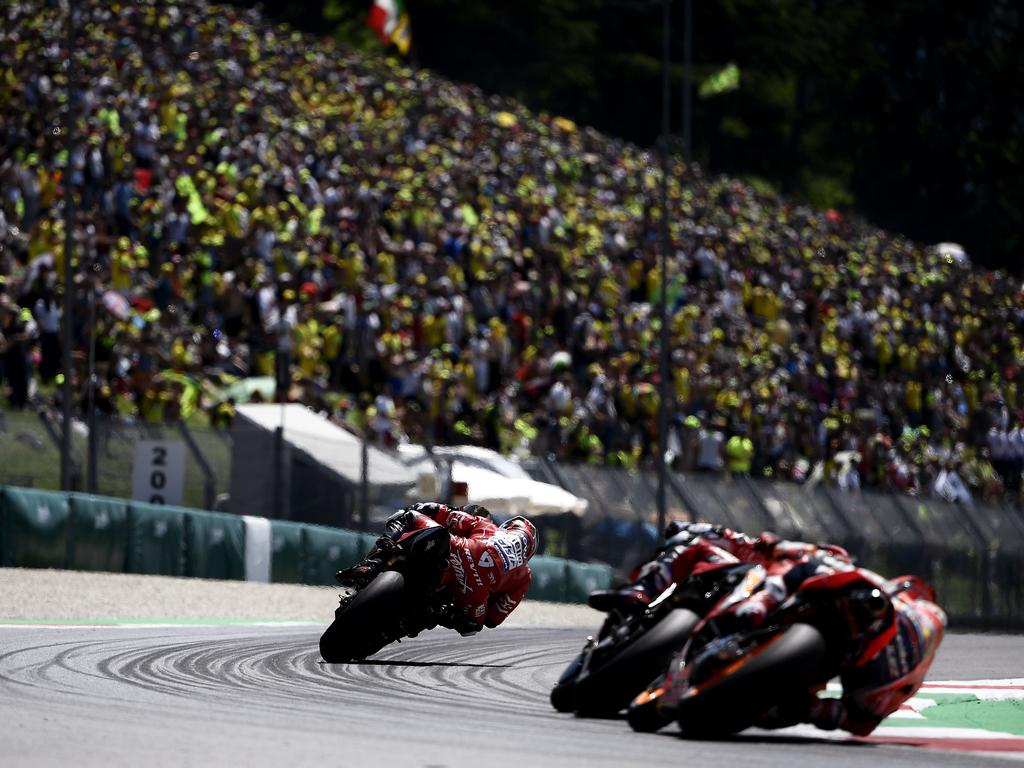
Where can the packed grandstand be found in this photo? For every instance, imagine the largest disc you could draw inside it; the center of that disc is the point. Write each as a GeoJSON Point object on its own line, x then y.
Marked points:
{"type": "Point", "coordinates": [427, 263]}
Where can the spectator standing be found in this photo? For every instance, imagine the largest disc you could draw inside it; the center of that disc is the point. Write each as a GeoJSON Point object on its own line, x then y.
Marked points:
{"type": "Point", "coordinates": [48, 314]}
{"type": "Point", "coordinates": [709, 450]}
{"type": "Point", "coordinates": [739, 452]}
{"type": "Point", "coordinates": [1015, 460]}
{"type": "Point", "coordinates": [16, 330]}
{"type": "Point", "coordinates": [999, 450]}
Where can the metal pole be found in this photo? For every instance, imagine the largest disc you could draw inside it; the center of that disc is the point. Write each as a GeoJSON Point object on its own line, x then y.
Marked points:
{"type": "Point", "coordinates": [687, 80]}
{"type": "Point", "coordinates": [364, 482]}
{"type": "Point", "coordinates": [664, 394]}
{"type": "Point", "coordinates": [209, 477]}
{"type": "Point", "coordinates": [280, 513]}
{"type": "Point", "coordinates": [91, 483]}
{"type": "Point", "coordinates": [69, 226]}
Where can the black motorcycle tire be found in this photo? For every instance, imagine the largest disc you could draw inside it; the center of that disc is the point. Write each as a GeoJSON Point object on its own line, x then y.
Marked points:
{"type": "Point", "coordinates": [645, 717]}
{"type": "Point", "coordinates": [562, 697]}
{"type": "Point", "coordinates": [607, 689]}
{"type": "Point", "coordinates": [368, 623]}
{"type": "Point", "coordinates": [782, 669]}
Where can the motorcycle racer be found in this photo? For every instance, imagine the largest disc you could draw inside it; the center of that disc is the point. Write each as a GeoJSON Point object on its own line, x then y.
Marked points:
{"type": "Point", "coordinates": [903, 631]}
{"type": "Point", "coordinates": [488, 573]}
{"type": "Point", "coordinates": [693, 547]}
{"type": "Point", "coordinates": [898, 629]}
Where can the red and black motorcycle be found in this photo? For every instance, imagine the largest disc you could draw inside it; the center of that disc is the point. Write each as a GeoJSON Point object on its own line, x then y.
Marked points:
{"type": "Point", "coordinates": [405, 596]}
{"type": "Point", "coordinates": [632, 648]}
{"type": "Point", "coordinates": [728, 677]}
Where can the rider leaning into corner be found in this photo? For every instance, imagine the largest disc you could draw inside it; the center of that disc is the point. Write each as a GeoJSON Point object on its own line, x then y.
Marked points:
{"type": "Point", "coordinates": [488, 572]}
{"type": "Point", "coordinates": [901, 632]}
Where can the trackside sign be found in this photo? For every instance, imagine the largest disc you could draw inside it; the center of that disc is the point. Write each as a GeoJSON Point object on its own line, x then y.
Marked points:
{"type": "Point", "coordinates": [158, 472]}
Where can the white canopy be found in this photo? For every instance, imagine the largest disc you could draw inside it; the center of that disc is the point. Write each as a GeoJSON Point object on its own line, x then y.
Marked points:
{"type": "Point", "coordinates": [494, 481]}
{"type": "Point", "coordinates": [333, 446]}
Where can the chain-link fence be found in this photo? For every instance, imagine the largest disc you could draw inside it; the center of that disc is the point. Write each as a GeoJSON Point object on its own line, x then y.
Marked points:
{"type": "Point", "coordinates": [973, 555]}
{"type": "Point", "coordinates": [30, 455]}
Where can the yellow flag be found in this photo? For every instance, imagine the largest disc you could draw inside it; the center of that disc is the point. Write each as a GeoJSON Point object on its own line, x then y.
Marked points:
{"type": "Point", "coordinates": [724, 80]}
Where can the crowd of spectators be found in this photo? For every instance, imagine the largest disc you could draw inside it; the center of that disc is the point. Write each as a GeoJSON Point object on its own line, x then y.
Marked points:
{"type": "Point", "coordinates": [425, 262]}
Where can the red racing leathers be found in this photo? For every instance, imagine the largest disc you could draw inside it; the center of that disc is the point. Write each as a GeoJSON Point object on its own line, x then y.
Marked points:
{"type": "Point", "coordinates": [488, 574]}
{"type": "Point", "coordinates": [890, 671]}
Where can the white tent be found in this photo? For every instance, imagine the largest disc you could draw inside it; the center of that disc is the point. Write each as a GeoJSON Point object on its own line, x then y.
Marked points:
{"type": "Point", "coordinates": [313, 474]}
{"type": "Point", "coordinates": [494, 481]}
{"type": "Point", "coordinates": [333, 446]}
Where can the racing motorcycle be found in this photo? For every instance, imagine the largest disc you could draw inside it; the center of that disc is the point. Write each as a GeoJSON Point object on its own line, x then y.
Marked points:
{"type": "Point", "coordinates": [632, 648]}
{"type": "Point", "coordinates": [728, 677]}
{"type": "Point", "coordinates": [408, 595]}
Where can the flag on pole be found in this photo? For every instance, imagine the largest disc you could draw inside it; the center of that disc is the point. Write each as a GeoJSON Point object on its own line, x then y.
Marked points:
{"type": "Point", "coordinates": [724, 80]}
{"type": "Point", "coordinates": [390, 21]}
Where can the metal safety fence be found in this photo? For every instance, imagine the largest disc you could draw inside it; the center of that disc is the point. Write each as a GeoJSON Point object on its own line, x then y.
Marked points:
{"type": "Point", "coordinates": [30, 455]}
{"type": "Point", "coordinates": [972, 554]}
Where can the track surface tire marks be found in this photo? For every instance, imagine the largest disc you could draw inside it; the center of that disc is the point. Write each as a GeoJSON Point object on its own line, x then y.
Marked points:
{"type": "Point", "coordinates": [261, 696]}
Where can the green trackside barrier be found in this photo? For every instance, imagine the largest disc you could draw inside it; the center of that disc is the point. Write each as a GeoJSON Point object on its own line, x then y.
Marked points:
{"type": "Point", "coordinates": [156, 539]}
{"type": "Point", "coordinates": [286, 552]}
{"type": "Point", "coordinates": [33, 528]}
{"type": "Point", "coordinates": [215, 545]}
{"type": "Point", "coordinates": [98, 534]}
{"type": "Point", "coordinates": [326, 551]}
{"type": "Point", "coordinates": [583, 578]}
{"type": "Point", "coordinates": [84, 532]}
{"type": "Point", "coordinates": [549, 579]}
{"type": "Point", "coordinates": [368, 540]}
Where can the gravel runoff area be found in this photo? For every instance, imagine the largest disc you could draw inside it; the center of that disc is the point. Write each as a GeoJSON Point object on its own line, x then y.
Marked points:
{"type": "Point", "coordinates": [42, 596]}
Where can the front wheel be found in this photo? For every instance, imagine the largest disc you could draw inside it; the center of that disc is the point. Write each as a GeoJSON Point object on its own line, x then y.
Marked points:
{"type": "Point", "coordinates": [606, 688]}
{"type": "Point", "coordinates": [563, 696]}
{"type": "Point", "coordinates": [643, 715]}
{"type": "Point", "coordinates": [369, 622]}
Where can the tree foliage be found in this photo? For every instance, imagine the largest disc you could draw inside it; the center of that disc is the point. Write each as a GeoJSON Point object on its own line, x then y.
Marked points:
{"type": "Point", "coordinates": [911, 112]}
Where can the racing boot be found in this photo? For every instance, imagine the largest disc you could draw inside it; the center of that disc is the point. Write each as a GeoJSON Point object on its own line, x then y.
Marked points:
{"type": "Point", "coordinates": [632, 599]}
{"type": "Point", "coordinates": [366, 571]}
{"type": "Point", "coordinates": [654, 578]}
{"type": "Point", "coordinates": [360, 574]}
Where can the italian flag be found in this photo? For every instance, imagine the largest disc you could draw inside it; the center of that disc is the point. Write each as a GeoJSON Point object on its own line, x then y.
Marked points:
{"type": "Point", "coordinates": [391, 23]}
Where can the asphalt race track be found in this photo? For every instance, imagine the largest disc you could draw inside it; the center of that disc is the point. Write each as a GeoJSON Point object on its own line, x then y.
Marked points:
{"type": "Point", "coordinates": [260, 696]}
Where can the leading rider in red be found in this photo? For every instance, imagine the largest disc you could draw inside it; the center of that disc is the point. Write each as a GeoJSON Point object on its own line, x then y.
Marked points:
{"type": "Point", "coordinates": [488, 572]}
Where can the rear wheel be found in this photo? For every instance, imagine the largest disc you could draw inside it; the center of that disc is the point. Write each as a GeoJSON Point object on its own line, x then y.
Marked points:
{"type": "Point", "coordinates": [607, 688]}
{"type": "Point", "coordinates": [727, 700]}
{"type": "Point", "coordinates": [368, 623]}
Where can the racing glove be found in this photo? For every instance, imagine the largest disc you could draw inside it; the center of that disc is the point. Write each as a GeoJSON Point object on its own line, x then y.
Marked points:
{"type": "Point", "coordinates": [429, 508]}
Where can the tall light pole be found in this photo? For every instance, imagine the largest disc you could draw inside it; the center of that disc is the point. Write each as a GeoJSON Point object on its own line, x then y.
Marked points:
{"type": "Point", "coordinates": [687, 80]}
{"type": "Point", "coordinates": [69, 240]}
{"type": "Point", "coordinates": [665, 245]}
